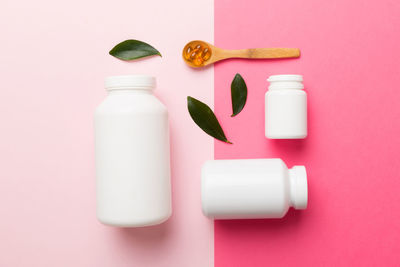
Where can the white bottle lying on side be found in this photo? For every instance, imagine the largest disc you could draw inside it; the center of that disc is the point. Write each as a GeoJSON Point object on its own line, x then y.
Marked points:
{"type": "Point", "coordinates": [132, 154]}
{"type": "Point", "coordinates": [251, 188]}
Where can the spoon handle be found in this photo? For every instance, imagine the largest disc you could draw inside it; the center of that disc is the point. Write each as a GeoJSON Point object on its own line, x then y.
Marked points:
{"type": "Point", "coordinates": [263, 53]}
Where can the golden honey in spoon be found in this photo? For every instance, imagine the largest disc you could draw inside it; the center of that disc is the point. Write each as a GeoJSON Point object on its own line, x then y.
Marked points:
{"type": "Point", "coordinates": [196, 53]}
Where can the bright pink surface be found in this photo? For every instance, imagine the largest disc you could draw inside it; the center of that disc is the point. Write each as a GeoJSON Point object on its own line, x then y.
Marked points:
{"type": "Point", "coordinates": [53, 60]}
{"type": "Point", "coordinates": [351, 69]}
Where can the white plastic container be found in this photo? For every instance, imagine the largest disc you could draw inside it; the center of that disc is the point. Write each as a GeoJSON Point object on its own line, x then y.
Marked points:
{"type": "Point", "coordinates": [285, 108]}
{"type": "Point", "coordinates": [251, 188]}
{"type": "Point", "coordinates": [132, 154]}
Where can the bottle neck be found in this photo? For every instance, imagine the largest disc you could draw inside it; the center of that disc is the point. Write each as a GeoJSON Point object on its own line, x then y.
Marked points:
{"type": "Point", "coordinates": [298, 187]}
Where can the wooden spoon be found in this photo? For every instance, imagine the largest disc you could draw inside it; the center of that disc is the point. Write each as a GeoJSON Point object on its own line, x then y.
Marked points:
{"type": "Point", "coordinates": [199, 53]}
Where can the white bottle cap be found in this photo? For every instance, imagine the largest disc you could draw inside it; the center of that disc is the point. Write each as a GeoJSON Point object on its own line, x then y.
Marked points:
{"type": "Point", "coordinates": [286, 81]}
{"type": "Point", "coordinates": [130, 82]}
{"type": "Point", "coordinates": [298, 187]}
{"type": "Point", "coordinates": [285, 77]}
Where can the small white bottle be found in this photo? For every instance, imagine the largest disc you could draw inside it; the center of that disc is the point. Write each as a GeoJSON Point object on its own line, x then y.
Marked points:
{"type": "Point", "coordinates": [251, 188]}
{"type": "Point", "coordinates": [285, 108]}
{"type": "Point", "coordinates": [132, 154]}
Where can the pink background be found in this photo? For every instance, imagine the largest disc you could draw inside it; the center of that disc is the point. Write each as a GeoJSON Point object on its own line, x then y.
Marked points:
{"type": "Point", "coordinates": [53, 60]}
{"type": "Point", "coordinates": [351, 69]}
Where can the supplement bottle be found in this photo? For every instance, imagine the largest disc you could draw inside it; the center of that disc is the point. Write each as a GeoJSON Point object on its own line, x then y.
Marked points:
{"type": "Point", "coordinates": [285, 108]}
{"type": "Point", "coordinates": [251, 188]}
{"type": "Point", "coordinates": [132, 154]}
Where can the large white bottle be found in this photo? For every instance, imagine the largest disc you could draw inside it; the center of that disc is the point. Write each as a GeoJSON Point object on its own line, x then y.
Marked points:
{"type": "Point", "coordinates": [132, 154]}
{"type": "Point", "coordinates": [251, 188]}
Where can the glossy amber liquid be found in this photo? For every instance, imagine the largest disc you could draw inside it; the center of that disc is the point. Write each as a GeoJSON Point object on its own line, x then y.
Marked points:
{"type": "Point", "coordinates": [196, 53]}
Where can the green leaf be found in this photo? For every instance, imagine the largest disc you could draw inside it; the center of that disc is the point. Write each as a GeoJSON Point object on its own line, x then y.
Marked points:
{"type": "Point", "coordinates": [205, 118]}
{"type": "Point", "coordinates": [133, 49]}
{"type": "Point", "coordinates": [238, 94]}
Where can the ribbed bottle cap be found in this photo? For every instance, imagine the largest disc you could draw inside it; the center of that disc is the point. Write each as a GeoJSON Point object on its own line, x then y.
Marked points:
{"type": "Point", "coordinates": [130, 82]}
{"type": "Point", "coordinates": [285, 78]}
{"type": "Point", "coordinates": [298, 187]}
{"type": "Point", "coordinates": [285, 81]}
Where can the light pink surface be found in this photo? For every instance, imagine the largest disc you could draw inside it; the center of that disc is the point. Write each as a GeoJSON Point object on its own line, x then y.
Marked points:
{"type": "Point", "coordinates": [53, 60]}
{"type": "Point", "coordinates": [351, 69]}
